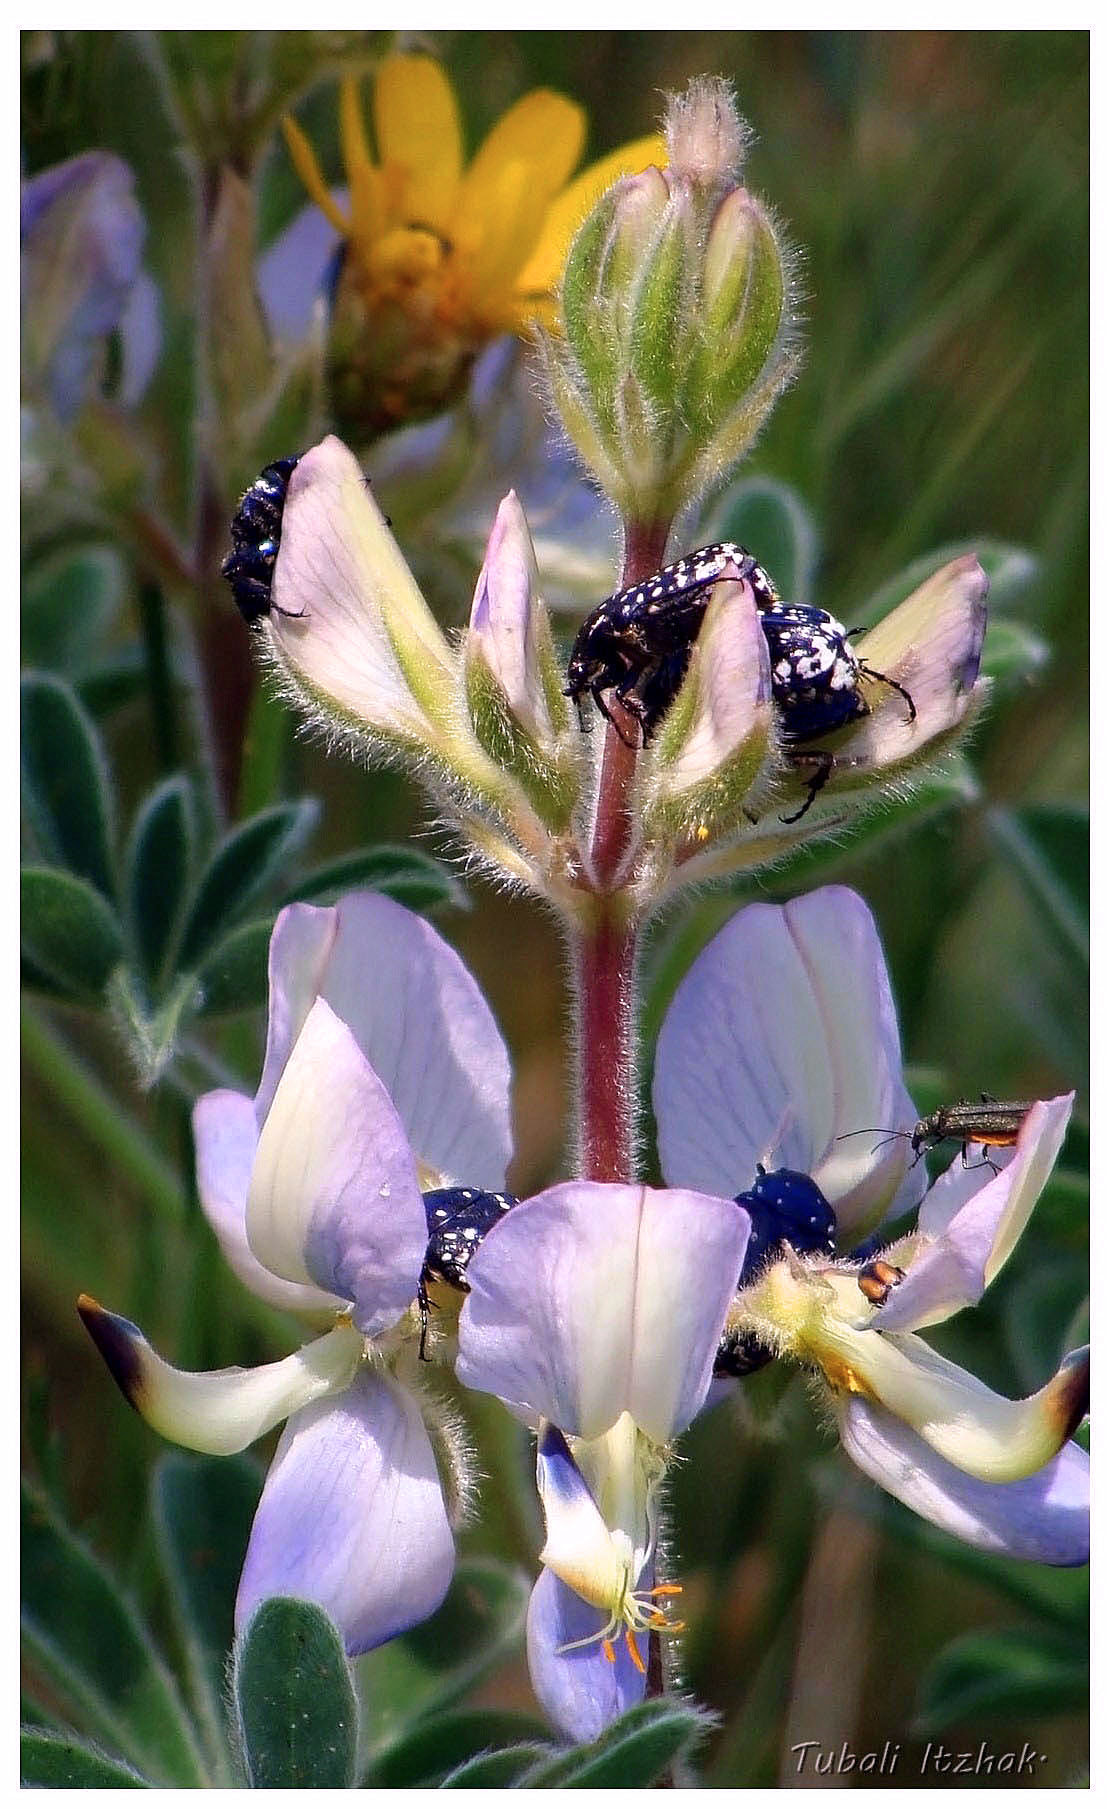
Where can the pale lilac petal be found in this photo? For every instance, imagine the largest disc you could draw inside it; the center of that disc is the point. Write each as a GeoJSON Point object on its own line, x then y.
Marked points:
{"type": "Point", "coordinates": [428, 1033]}
{"type": "Point", "coordinates": [219, 1410]}
{"type": "Point", "coordinates": [963, 1242]}
{"type": "Point", "coordinates": [301, 942]}
{"type": "Point", "coordinates": [931, 645]}
{"type": "Point", "coordinates": [417, 1015]}
{"type": "Point", "coordinates": [781, 1041]}
{"type": "Point", "coordinates": [292, 272]}
{"type": "Point", "coordinates": [593, 1300]}
{"type": "Point", "coordinates": [226, 1137]}
{"type": "Point", "coordinates": [581, 1691]}
{"type": "Point", "coordinates": [726, 738]}
{"type": "Point", "coordinates": [506, 627]}
{"type": "Point", "coordinates": [1042, 1518]}
{"type": "Point", "coordinates": [334, 1196]}
{"type": "Point", "coordinates": [352, 1517]}
{"type": "Point", "coordinates": [348, 626]}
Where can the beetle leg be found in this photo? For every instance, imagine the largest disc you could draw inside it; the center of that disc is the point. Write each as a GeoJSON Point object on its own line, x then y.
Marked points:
{"type": "Point", "coordinates": [882, 679]}
{"type": "Point", "coordinates": [823, 762]}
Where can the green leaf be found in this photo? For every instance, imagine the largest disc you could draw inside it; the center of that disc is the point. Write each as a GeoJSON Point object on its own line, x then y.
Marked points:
{"type": "Point", "coordinates": [476, 1629]}
{"type": "Point", "coordinates": [203, 1509]}
{"type": "Point", "coordinates": [1011, 572]}
{"type": "Point", "coordinates": [247, 862]}
{"type": "Point", "coordinates": [234, 976]}
{"type": "Point", "coordinates": [413, 878]}
{"type": "Point", "coordinates": [151, 1032]}
{"type": "Point", "coordinates": [293, 1700]}
{"type": "Point", "coordinates": [84, 1637]}
{"type": "Point", "coordinates": [62, 1761]}
{"type": "Point", "coordinates": [157, 868]}
{"type": "Point", "coordinates": [773, 522]}
{"type": "Point", "coordinates": [67, 929]}
{"type": "Point", "coordinates": [67, 604]}
{"type": "Point", "coordinates": [436, 1747]}
{"type": "Point", "coordinates": [65, 786]}
{"type": "Point", "coordinates": [630, 1755]}
{"type": "Point", "coordinates": [1047, 846]}
{"type": "Point", "coordinates": [1016, 1673]}
{"type": "Point", "coordinates": [495, 1770]}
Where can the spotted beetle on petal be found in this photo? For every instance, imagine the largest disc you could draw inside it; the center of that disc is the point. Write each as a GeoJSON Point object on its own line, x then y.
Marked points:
{"type": "Point", "coordinates": [256, 533]}
{"type": "Point", "coordinates": [458, 1219]}
{"type": "Point", "coordinates": [637, 643]}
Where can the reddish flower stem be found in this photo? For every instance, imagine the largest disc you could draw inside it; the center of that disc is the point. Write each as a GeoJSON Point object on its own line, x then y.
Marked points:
{"type": "Point", "coordinates": [605, 948]}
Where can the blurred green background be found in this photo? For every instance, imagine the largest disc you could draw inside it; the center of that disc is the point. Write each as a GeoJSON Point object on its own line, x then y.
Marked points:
{"type": "Point", "coordinates": [936, 185]}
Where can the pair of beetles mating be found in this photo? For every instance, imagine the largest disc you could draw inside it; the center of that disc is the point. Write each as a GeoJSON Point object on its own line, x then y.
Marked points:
{"type": "Point", "coordinates": [636, 645]}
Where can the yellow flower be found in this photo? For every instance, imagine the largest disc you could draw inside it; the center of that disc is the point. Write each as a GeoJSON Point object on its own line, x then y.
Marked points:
{"type": "Point", "coordinates": [440, 258]}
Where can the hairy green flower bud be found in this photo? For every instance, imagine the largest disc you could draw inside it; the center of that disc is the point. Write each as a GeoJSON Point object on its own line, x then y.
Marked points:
{"type": "Point", "coordinates": [676, 308]}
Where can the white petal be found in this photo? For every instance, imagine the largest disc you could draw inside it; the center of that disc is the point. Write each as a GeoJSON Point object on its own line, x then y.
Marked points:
{"type": "Point", "coordinates": [352, 1516]}
{"type": "Point", "coordinates": [226, 1136]}
{"type": "Point", "coordinates": [219, 1410]}
{"type": "Point", "coordinates": [302, 940]}
{"type": "Point", "coordinates": [1043, 1518]}
{"type": "Point", "coordinates": [334, 1195]}
{"type": "Point", "coordinates": [969, 1425]}
{"type": "Point", "coordinates": [593, 1300]}
{"type": "Point", "coordinates": [733, 714]}
{"type": "Point", "coordinates": [780, 1044]}
{"type": "Point", "coordinates": [578, 1545]}
{"type": "Point", "coordinates": [348, 622]}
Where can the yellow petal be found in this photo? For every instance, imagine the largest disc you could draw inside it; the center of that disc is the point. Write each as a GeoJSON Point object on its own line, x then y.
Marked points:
{"type": "Point", "coordinates": [544, 134]}
{"type": "Point", "coordinates": [367, 213]}
{"type": "Point", "coordinates": [416, 124]}
{"type": "Point", "coordinates": [493, 264]}
{"type": "Point", "coordinates": [569, 209]}
{"type": "Point", "coordinates": [304, 162]}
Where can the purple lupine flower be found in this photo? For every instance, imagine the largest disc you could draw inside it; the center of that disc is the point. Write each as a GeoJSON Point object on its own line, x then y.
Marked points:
{"type": "Point", "coordinates": [780, 1047]}
{"type": "Point", "coordinates": [81, 240]}
{"type": "Point", "coordinates": [594, 1313]}
{"type": "Point", "coordinates": [384, 1075]}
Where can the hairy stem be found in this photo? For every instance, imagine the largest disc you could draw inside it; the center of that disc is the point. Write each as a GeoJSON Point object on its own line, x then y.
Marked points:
{"type": "Point", "coordinates": [605, 976]}
{"type": "Point", "coordinates": [605, 945]}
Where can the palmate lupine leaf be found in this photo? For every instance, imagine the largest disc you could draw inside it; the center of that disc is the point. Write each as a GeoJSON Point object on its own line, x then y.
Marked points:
{"type": "Point", "coordinates": [433, 1749]}
{"type": "Point", "coordinates": [83, 1636]}
{"type": "Point", "coordinates": [61, 1761]}
{"type": "Point", "coordinates": [65, 786]}
{"type": "Point", "coordinates": [203, 1508]}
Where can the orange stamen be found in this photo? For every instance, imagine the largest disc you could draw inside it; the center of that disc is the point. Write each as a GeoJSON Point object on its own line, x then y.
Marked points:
{"type": "Point", "coordinates": [610, 1654]}
{"type": "Point", "coordinates": [631, 1648]}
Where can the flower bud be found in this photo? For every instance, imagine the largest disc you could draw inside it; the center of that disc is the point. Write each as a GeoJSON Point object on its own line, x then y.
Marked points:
{"type": "Point", "coordinates": [675, 302]}
{"type": "Point", "coordinates": [717, 736]}
{"type": "Point", "coordinates": [513, 681]}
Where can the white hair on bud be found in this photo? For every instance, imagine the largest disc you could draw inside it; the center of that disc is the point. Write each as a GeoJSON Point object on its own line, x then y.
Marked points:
{"type": "Point", "coordinates": [706, 137]}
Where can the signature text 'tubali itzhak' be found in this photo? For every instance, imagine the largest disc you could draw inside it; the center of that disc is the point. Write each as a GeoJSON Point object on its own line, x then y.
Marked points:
{"type": "Point", "coordinates": [811, 1756]}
